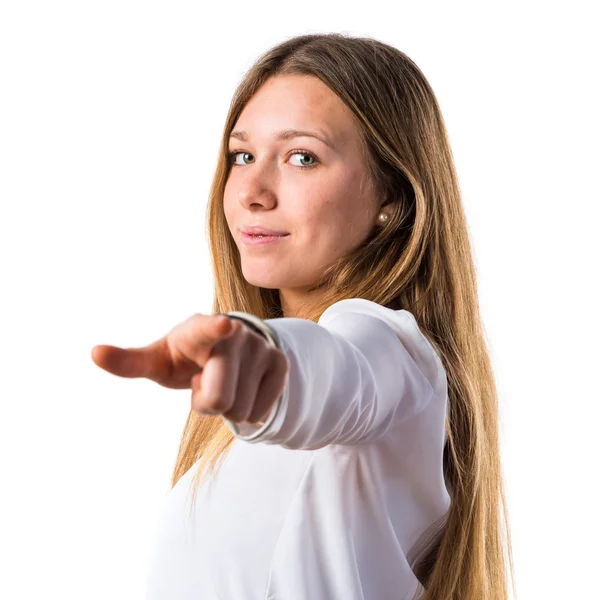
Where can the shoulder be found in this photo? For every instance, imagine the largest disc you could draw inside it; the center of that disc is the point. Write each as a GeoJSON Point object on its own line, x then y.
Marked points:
{"type": "Point", "coordinates": [404, 324]}
{"type": "Point", "coordinates": [401, 317]}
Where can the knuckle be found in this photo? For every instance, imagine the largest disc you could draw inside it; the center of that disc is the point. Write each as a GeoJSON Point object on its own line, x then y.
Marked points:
{"type": "Point", "coordinates": [208, 404]}
{"type": "Point", "coordinates": [254, 338]}
{"type": "Point", "coordinates": [236, 417]}
{"type": "Point", "coordinates": [260, 413]}
{"type": "Point", "coordinates": [249, 334]}
{"type": "Point", "coordinates": [239, 332]}
{"type": "Point", "coordinates": [238, 412]}
{"type": "Point", "coordinates": [236, 324]}
{"type": "Point", "coordinates": [280, 358]}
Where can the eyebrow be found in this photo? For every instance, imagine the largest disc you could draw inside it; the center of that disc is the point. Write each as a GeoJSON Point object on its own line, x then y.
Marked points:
{"type": "Point", "coordinates": [288, 134]}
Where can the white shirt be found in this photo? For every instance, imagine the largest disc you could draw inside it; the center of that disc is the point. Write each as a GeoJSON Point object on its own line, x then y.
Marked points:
{"type": "Point", "coordinates": [326, 500]}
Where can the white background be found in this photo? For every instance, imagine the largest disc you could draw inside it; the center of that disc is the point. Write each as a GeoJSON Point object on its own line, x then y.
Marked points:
{"type": "Point", "coordinates": [110, 118]}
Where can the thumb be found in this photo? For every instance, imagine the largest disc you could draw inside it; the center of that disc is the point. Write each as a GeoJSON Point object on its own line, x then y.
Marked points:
{"type": "Point", "coordinates": [194, 339]}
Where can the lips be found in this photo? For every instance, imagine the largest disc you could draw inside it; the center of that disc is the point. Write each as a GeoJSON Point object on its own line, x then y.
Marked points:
{"type": "Point", "coordinates": [255, 230]}
{"type": "Point", "coordinates": [264, 234]}
{"type": "Point", "coordinates": [261, 240]}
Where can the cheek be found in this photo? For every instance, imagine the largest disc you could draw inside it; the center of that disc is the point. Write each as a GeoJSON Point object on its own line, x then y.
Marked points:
{"type": "Point", "coordinates": [325, 229]}
{"type": "Point", "coordinates": [317, 221]}
{"type": "Point", "coordinates": [334, 215]}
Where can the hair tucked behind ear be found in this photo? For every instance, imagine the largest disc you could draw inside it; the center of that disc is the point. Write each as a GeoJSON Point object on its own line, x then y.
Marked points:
{"type": "Point", "coordinates": [421, 261]}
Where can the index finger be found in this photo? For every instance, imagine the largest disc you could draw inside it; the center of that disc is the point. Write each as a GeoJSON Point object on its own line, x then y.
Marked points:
{"type": "Point", "coordinates": [172, 360]}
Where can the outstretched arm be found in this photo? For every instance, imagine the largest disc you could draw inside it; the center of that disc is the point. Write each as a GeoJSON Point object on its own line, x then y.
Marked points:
{"type": "Point", "coordinates": [352, 376]}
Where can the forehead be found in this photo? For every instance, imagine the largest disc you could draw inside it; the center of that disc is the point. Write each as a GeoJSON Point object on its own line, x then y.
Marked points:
{"type": "Point", "coordinates": [300, 102]}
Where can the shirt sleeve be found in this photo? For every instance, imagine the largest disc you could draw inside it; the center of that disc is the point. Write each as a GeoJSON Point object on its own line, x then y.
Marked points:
{"type": "Point", "coordinates": [352, 376]}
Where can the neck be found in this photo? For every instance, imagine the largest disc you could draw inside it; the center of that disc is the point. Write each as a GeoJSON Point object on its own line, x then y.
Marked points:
{"type": "Point", "coordinates": [293, 300]}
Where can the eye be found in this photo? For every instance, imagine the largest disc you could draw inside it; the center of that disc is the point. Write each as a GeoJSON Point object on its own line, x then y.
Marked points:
{"type": "Point", "coordinates": [304, 153]}
{"type": "Point", "coordinates": [233, 155]}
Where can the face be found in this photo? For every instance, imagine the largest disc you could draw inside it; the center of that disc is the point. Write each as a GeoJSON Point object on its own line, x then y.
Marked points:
{"type": "Point", "coordinates": [317, 191]}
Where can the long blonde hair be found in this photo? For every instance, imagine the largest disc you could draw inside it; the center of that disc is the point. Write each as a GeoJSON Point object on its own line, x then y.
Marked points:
{"type": "Point", "coordinates": [420, 261]}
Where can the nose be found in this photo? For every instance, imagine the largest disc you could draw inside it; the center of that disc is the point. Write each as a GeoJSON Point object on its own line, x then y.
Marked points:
{"type": "Point", "coordinates": [256, 188]}
{"type": "Point", "coordinates": [249, 199]}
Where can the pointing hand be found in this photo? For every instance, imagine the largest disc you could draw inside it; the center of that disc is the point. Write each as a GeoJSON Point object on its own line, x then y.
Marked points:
{"type": "Point", "coordinates": [231, 370]}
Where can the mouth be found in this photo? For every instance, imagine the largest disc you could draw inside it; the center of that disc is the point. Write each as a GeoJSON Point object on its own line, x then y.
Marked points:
{"type": "Point", "coordinates": [266, 234]}
{"type": "Point", "coordinates": [250, 239]}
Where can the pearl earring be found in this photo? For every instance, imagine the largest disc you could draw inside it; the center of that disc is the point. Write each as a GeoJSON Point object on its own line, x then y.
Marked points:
{"type": "Point", "coordinates": [383, 217]}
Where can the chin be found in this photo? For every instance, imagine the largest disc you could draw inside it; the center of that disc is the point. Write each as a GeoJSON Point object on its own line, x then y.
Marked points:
{"type": "Point", "coordinates": [262, 284]}
{"type": "Point", "coordinates": [264, 281]}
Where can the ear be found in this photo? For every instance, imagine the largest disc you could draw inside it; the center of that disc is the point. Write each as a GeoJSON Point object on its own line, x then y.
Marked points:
{"type": "Point", "coordinates": [385, 201]}
{"type": "Point", "coordinates": [383, 204]}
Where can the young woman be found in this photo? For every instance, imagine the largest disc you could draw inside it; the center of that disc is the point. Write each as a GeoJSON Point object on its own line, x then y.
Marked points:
{"type": "Point", "coordinates": [343, 436]}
